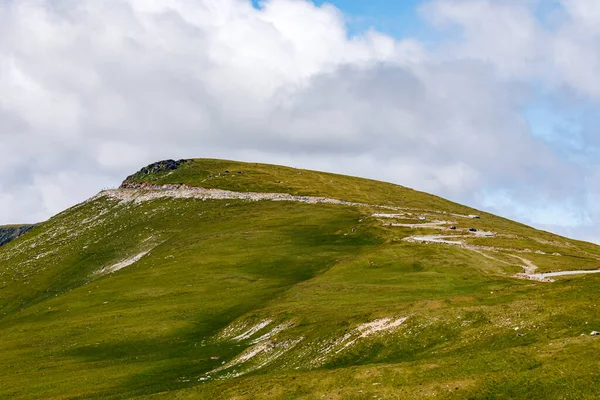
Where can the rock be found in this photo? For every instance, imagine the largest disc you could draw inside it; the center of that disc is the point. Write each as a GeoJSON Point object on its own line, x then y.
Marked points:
{"type": "Point", "coordinates": [161, 166]}
{"type": "Point", "coordinates": [154, 168]}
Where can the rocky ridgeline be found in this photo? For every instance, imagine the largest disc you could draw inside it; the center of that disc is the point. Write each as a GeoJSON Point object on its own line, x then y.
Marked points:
{"type": "Point", "coordinates": [10, 233]}
{"type": "Point", "coordinates": [151, 186]}
{"type": "Point", "coordinates": [140, 192]}
{"type": "Point", "coordinates": [154, 168]}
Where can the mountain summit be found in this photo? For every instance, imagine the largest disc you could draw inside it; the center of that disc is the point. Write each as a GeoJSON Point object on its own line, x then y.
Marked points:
{"type": "Point", "coordinates": [220, 279]}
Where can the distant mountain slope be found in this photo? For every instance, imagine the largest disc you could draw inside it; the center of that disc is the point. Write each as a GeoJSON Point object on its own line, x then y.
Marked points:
{"type": "Point", "coordinates": [217, 279]}
{"type": "Point", "coordinates": [11, 232]}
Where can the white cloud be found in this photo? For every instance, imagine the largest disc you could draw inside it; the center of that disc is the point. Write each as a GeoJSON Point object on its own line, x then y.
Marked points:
{"type": "Point", "coordinates": [510, 36]}
{"type": "Point", "coordinates": [503, 33]}
{"type": "Point", "coordinates": [585, 13]}
{"type": "Point", "coordinates": [93, 90]}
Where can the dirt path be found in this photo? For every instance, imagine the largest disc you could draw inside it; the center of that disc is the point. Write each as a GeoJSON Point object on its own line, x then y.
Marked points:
{"type": "Point", "coordinates": [149, 193]}
{"type": "Point", "coordinates": [529, 267]}
{"type": "Point", "coordinates": [435, 239]}
{"type": "Point", "coordinates": [425, 225]}
{"type": "Point", "coordinates": [146, 192]}
{"type": "Point", "coordinates": [564, 273]}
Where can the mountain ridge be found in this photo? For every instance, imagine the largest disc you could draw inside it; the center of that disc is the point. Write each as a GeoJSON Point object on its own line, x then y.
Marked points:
{"type": "Point", "coordinates": [219, 279]}
{"type": "Point", "coordinates": [9, 233]}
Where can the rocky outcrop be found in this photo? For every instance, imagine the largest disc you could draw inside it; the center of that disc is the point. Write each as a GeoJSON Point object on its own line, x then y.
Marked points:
{"type": "Point", "coordinates": [141, 192]}
{"type": "Point", "coordinates": [152, 186]}
{"type": "Point", "coordinates": [154, 168]}
{"type": "Point", "coordinates": [11, 232]}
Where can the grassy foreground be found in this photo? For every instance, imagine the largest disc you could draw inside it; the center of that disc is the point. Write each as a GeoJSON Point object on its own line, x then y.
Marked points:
{"type": "Point", "coordinates": [263, 299]}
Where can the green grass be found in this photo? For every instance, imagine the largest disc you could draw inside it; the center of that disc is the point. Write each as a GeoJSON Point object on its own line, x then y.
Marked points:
{"type": "Point", "coordinates": [266, 178]}
{"type": "Point", "coordinates": [154, 328]}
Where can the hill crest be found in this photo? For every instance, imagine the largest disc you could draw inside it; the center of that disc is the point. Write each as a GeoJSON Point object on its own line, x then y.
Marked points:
{"type": "Point", "coordinates": [202, 282]}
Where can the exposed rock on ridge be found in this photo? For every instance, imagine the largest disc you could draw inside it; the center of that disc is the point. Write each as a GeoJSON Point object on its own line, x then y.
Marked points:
{"type": "Point", "coordinates": [154, 168]}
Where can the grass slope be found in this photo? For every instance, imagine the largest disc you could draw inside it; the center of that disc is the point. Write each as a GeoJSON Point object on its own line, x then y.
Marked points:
{"type": "Point", "coordinates": [178, 322]}
{"type": "Point", "coordinates": [254, 177]}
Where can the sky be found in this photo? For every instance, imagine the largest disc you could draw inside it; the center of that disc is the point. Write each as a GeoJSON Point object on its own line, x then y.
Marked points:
{"type": "Point", "coordinates": [491, 103]}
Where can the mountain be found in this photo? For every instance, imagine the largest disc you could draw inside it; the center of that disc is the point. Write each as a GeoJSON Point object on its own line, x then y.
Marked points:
{"type": "Point", "coordinates": [217, 279]}
{"type": "Point", "coordinates": [11, 232]}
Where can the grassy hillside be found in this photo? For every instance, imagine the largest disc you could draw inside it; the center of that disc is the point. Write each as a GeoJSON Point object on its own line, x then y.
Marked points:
{"type": "Point", "coordinates": [254, 177]}
{"type": "Point", "coordinates": [128, 296]}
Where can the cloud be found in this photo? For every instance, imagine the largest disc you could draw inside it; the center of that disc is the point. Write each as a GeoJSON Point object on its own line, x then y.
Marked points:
{"type": "Point", "coordinates": [92, 90]}
{"type": "Point", "coordinates": [510, 36]}
{"type": "Point", "coordinates": [504, 34]}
